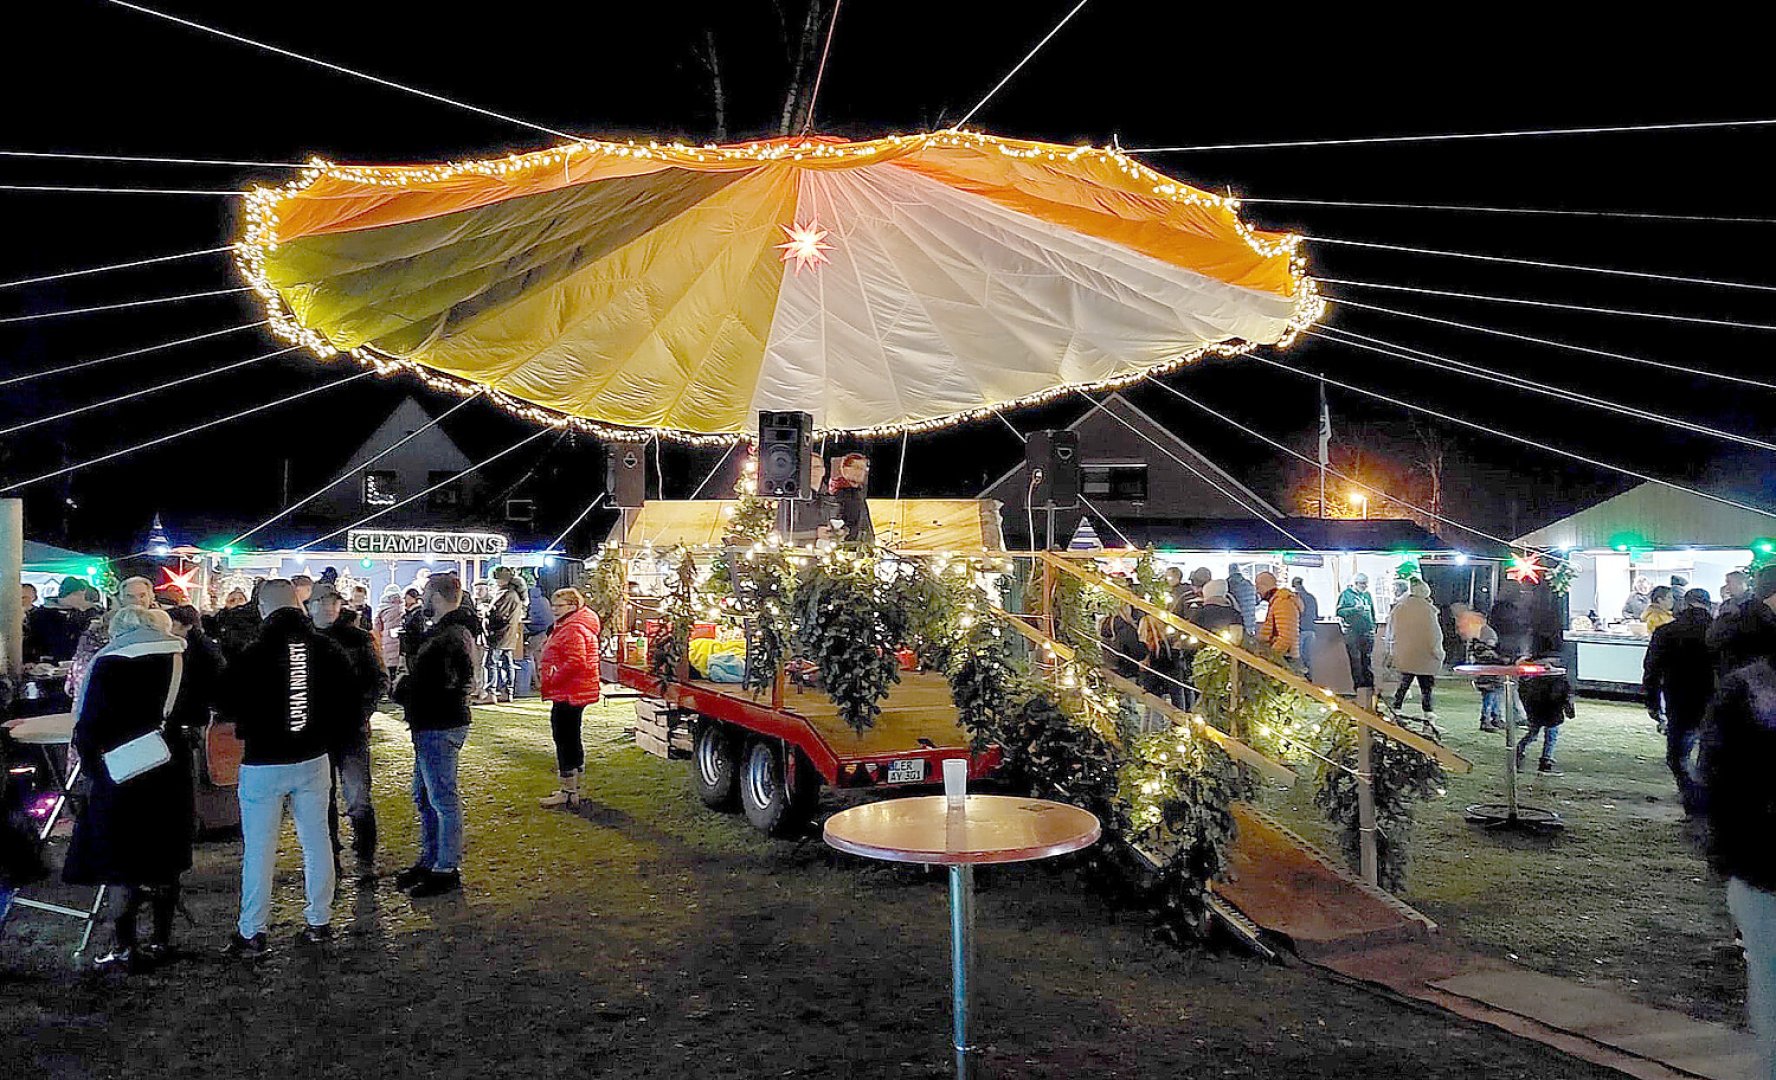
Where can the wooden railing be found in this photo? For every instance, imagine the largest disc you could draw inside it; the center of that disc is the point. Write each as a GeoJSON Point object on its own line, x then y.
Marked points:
{"type": "Point", "coordinates": [1368, 723]}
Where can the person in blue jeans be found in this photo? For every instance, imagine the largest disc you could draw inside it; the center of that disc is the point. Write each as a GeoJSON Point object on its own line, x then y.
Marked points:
{"type": "Point", "coordinates": [292, 697]}
{"type": "Point", "coordinates": [1738, 751]}
{"type": "Point", "coordinates": [435, 695]}
{"type": "Point", "coordinates": [1547, 703]}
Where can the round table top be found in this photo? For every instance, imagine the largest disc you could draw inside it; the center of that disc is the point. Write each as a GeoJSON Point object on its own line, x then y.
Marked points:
{"type": "Point", "coordinates": [990, 829]}
{"type": "Point", "coordinates": [1510, 671]}
{"type": "Point", "coordinates": [52, 730]}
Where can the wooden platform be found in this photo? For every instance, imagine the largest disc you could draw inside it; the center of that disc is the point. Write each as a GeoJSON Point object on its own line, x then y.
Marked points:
{"type": "Point", "coordinates": [918, 707]}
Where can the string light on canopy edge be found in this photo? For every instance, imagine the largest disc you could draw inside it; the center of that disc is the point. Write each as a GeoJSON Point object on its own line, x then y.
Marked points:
{"type": "Point", "coordinates": [259, 238]}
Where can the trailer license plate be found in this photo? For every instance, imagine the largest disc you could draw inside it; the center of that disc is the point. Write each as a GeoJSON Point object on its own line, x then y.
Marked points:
{"type": "Point", "coordinates": [906, 771]}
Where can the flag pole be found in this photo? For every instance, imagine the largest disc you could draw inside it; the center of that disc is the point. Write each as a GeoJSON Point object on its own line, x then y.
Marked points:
{"type": "Point", "coordinates": [1325, 443]}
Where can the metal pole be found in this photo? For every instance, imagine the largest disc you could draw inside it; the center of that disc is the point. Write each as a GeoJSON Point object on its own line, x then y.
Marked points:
{"type": "Point", "coordinates": [1511, 748]}
{"type": "Point", "coordinates": [12, 568]}
{"type": "Point", "coordinates": [1367, 860]}
{"type": "Point", "coordinates": [961, 964]}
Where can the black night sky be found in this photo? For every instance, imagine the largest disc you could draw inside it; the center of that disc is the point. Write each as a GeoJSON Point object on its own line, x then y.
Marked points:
{"type": "Point", "coordinates": [86, 76]}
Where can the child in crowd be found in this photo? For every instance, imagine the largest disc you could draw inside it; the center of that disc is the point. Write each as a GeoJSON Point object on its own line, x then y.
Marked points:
{"type": "Point", "coordinates": [1547, 703]}
{"type": "Point", "coordinates": [1481, 642]}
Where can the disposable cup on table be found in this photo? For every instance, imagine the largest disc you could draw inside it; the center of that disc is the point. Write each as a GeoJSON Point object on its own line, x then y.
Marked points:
{"type": "Point", "coordinates": [955, 774]}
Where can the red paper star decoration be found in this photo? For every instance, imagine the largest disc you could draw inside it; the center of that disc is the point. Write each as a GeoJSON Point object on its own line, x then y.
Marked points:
{"type": "Point", "coordinates": [804, 246]}
{"type": "Point", "coordinates": [1526, 569]}
{"type": "Point", "coordinates": [180, 581]}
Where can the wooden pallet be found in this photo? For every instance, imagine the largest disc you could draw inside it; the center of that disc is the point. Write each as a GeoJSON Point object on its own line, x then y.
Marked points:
{"type": "Point", "coordinates": [662, 730]}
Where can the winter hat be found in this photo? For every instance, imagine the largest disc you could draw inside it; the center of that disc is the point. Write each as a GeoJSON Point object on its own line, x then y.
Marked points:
{"type": "Point", "coordinates": [1215, 591]}
{"type": "Point", "coordinates": [1698, 598]}
{"type": "Point", "coordinates": [390, 592]}
{"type": "Point", "coordinates": [1417, 587]}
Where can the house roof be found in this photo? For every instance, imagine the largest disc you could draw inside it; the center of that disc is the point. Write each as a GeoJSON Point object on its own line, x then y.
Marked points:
{"type": "Point", "coordinates": [1657, 517]}
{"type": "Point", "coordinates": [1195, 461]}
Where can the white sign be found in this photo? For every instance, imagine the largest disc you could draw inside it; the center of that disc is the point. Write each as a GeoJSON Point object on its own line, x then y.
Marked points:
{"type": "Point", "coordinates": [425, 544]}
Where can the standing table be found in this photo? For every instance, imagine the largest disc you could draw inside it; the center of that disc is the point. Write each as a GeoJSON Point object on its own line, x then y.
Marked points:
{"type": "Point", "coordinates": [984, 829]}
{"type": "Point", "coordinates": [48, 734]}
{"type": "Point", "coordinates": [1509, 814]}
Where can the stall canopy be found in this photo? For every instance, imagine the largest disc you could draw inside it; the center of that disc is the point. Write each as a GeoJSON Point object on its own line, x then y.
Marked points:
{"type": "Point", "coordinates": [913, 526]}
{"type": "Point", "coordinates": [894, 284]}
{"type": "Point", "coordinates": [1653, 516]}
{"type": "Point", "coordinates": [48, 559]}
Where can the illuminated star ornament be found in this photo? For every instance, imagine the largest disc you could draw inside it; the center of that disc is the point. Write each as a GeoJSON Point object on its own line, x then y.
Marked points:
{"type": "Point", "coordinates": [180, 581]}
{"type": "Point", "coordinates": [1526, 569]}
{"type": "Point", "coordinates": [805, 246]}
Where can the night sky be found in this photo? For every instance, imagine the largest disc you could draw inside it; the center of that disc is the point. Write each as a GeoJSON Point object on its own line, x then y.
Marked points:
{"type": "Point", "coordinates": [91, 77]}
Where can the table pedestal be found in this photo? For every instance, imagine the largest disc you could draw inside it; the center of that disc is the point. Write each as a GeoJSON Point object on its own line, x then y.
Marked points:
{"type": "Point", "coordinates": [961, 965]}
{"type": "Point", "coordinates": [1509, 815]}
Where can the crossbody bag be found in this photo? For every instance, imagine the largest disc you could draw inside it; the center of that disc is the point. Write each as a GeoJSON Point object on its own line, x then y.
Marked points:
{"type": "Point", "coordinates": [148, 751]}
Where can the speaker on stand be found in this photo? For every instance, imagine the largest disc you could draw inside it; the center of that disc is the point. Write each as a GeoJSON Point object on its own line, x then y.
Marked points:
{"type": "Point", "coordinates": [626, 479]}
{"type": "Point", "coordinates": [1052, 460]}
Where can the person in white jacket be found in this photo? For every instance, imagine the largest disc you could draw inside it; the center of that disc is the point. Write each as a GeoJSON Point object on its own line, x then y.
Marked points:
{"type": "Point", "coordinates": [1415, 644]}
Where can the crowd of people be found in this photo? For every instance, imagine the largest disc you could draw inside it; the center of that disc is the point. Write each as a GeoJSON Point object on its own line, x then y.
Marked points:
{"type": "Point", "coordinates": [292, 674]}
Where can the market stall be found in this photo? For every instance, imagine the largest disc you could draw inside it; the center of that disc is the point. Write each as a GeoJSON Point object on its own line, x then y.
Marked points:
{"type": "Point", "coordinates": [374, 558]}
{"type": "Point", "coordinates": [1624, 547]}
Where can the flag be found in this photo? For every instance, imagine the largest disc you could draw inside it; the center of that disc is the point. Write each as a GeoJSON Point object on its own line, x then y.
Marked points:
{"type": "Point", "coordinates": [1325, 430]}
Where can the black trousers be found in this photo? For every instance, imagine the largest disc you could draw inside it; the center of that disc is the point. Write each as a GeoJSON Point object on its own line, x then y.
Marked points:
{"type": "Point", "coordinates": [1426, 684]}
{"type": "Point", "coordinates": [564, 724]}
{"type": "Point", "coordinates": [1361, 649]}
{"type": "Point", "coordinates": [162, 902]}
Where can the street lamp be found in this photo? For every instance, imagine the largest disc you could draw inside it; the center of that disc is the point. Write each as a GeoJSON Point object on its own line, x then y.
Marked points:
{"type": "Point", "coordinates": [1361, 500]}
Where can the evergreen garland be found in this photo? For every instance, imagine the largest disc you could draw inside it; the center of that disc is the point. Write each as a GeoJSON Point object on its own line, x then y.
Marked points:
{"type": "Point", "coordinates": [604, 589]}
{"type": "Point", "coordinates": [1403, 776]}
{"type": "Point", "coordinates": [671, 642]}
{"type": "Point", "coordinates": [844, 624]}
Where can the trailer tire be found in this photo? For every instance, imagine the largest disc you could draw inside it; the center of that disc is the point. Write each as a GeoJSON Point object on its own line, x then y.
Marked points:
{"type": "Point", "coordinates": [715, 764]}
{"type": "Point", "coordinates": [772, 805]}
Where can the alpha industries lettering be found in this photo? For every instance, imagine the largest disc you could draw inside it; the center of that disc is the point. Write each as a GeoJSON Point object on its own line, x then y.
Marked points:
{"type": "Point", "coordinates": [298, 687]}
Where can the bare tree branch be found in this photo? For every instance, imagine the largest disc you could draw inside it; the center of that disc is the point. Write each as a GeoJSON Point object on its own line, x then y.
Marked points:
{"type": "Point", "coordinates": [711, 60]}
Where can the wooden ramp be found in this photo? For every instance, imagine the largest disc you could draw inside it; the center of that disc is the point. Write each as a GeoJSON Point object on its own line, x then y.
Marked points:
{"type": "Point", "coordinates": [1295, 893]}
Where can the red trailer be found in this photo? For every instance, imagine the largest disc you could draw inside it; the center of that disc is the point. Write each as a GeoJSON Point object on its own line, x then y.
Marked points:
{"type": "Point", "coordinates": [769, 753]}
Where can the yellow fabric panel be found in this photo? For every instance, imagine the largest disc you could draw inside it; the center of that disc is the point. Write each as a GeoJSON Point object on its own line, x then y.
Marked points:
{"type": "Point", "coordinates": [1094, 195]}
{"type": "Point", "coordinates": [917, 526]}
{"type": "Point", "coordinates": [337, 204]}
{"type": "Point", "coordinates": [667, 331]}
{"type": "Point", "coordinates": [395, 286]}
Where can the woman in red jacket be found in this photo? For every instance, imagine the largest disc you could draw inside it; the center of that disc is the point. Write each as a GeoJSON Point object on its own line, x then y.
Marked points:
{"type": "Point", "coordinates": [570, 683]}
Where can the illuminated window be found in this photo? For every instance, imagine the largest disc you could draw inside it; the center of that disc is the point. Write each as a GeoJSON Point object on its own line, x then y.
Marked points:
{"type": "Point", "coordinates": [381, 489]}
{"type": "Point", "coordinates": [1115, 481]}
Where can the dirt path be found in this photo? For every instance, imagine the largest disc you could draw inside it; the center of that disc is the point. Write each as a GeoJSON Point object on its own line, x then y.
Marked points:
{"type": "Point", "coordinates": [647, 937]}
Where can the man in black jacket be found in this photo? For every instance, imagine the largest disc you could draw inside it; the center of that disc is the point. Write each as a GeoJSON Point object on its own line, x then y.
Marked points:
{"type": "Point", "coordinates": [435, 695]}
{"type": "Point", "coordinates": [1738, 753]}
{"type": "Point", "coordinates": [290, 696]}
{"type": "Point", "coordinates": [1678, 678]}
{"type": "Point", "coordinates": [351, 760]}
{"type": "Point", "coordinates": [1739, 637]}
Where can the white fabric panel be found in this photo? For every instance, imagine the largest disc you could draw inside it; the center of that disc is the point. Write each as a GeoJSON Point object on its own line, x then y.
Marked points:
{"type": "Point", "coordinates": [937, 301]}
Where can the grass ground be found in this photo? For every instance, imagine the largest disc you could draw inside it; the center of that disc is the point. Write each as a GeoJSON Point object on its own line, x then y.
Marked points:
{"type": "Point", "coordinates": [1621, 896]}
{"type": "Point", "coordinates": [648, 937]}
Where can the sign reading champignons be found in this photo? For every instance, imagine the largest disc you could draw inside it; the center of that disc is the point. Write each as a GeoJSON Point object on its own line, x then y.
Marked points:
{"type": "Point", "coordinates": [425, 544]}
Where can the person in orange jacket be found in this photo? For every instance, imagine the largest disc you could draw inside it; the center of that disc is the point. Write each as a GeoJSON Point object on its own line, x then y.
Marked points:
{"type": "Point", "coordinates": [1282, 619]}
{"type": "Point", "coordinates": [570, 678]}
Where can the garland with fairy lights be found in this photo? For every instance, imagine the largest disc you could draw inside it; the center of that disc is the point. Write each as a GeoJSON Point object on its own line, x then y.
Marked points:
{"type": "Point", "coordinates": [604, 587]}
{"type": "Point", "coordinates": [263, 208]}
{"type": "Point", "coordinates": [670, 644]}
{"type": "Point", "coordinates": [844, 624]}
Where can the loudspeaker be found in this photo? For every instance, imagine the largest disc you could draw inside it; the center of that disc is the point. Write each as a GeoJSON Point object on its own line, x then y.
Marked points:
{"type": "Point", "coordinates": [785, 439]}
{"type": "Point", "coordinates": [626, 475]}
{"type": "Point", "coordinates": [1052, 460]}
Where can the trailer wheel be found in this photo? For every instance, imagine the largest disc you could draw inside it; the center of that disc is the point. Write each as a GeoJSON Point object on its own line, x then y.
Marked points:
{"type": "Point", "coordinates": [715, 765]}
{"type": "Point", "coordinates": [772, 805]}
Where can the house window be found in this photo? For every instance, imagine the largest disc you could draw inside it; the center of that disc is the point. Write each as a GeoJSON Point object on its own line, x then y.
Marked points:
{"type": "Point", "coordinates": [523, 510]}
{"type": "Point", "coordinates": [381, 489]}
{"type": "Point", "coordinates": [1114, 481]}
{"type": "Point", "coordinates": [448, 497]}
